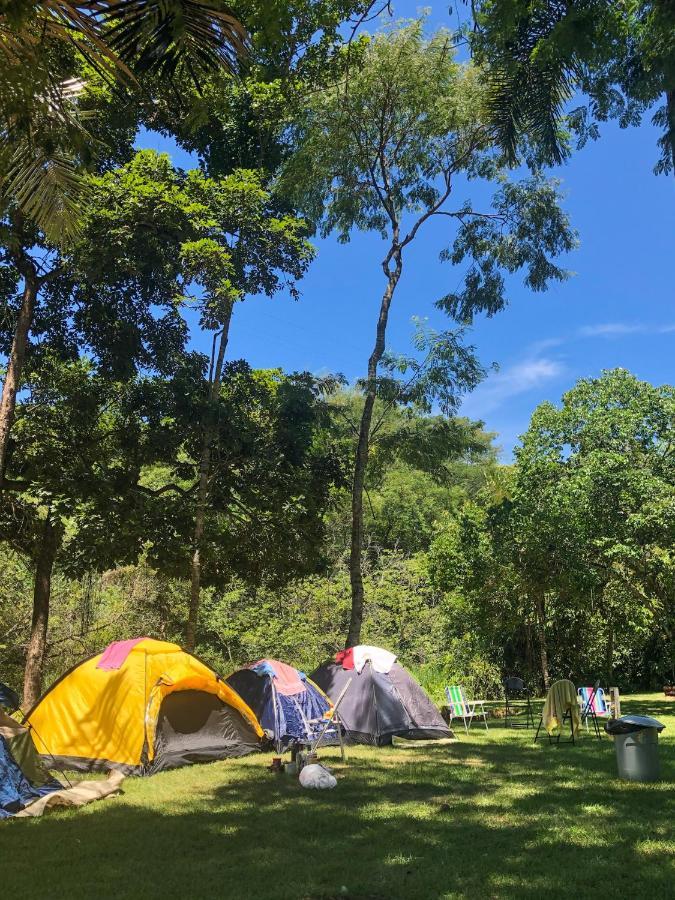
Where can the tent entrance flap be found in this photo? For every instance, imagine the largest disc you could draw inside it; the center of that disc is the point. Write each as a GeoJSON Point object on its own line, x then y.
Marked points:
{"type": "Point", "coordinates": [196, 726]}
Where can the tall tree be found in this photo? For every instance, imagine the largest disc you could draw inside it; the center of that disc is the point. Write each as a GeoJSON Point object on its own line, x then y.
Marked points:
{"type": "Point", "coordinates": [382, 150]}
{"type": "Point", "coordinates": [271, 476]}
{"type": "Point", "coordinates": [595, 493]}
{"type": "Point", "coordinates": [79, 444]}
{"type": "Point", "coordinates": [30, 253]}
{"type": "Point", "coordinates": [575, 567]}
{"type": "Point", "coordinates": [158, 237]}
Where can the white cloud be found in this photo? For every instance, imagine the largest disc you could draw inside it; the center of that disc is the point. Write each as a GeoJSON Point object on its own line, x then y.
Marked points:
{"type": "Point", "coordinates": [617, 329]}
{"type": "Point", "coordinates": [511, 381]}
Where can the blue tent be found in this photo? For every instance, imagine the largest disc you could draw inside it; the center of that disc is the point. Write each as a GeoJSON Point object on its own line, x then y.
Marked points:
{"type": "Point", "coordinates": [288, 705]}
{"type": "Point", "coordinates": [22, 778]}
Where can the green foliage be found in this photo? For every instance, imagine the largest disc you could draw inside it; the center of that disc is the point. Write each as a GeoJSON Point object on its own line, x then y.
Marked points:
{"type": "Point", "coordinates": [621, 56]}
{"type": "Point", "coordinates": [245, 122]}
{"type": "Point", "coordinates": [385, 146]}
{"type": "Point", "coordinates": [51, 50]}
{"type": "Point", "coordinates": [273, 471]}
{"type": "Point", "coordinates": [420, 466]}
{"type": "Point", "coordinates": [582, 548]}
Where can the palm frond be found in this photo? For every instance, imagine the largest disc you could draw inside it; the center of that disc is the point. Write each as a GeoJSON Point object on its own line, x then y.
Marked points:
{"type": "Point", "coordinates": [530, 75]}
{"type": "Point", "coordinates": [39, 171]}
{"type": "Point", "coordinates": [40, 125]}
{"type": "Point", "coordinates": [161, 35]}
{"type": "Point", "coordinates": [47, 188]}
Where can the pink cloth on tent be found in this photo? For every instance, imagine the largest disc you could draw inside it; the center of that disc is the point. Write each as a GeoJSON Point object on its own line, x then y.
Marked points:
{"type": "Point", "coordinates": [286, 678]}
{"type": "Point", "coordinates": [114, 655]}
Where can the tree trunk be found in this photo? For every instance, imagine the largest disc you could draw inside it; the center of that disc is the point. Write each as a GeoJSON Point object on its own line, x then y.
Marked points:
{"type": "Point", "coordinates": [17, 356]}
{"type": "Point", "coordinates": [541, 634]}
{"type": "Point", "coordinates": [210, 431]}
{"type": "Point", "coordinates": [529, 649]}
{"type": "Point", "coordinates": [361, 458]}
{"type": "Point", "coordinates": [49, 547]}
{"type": "Point", "coordinates": [609, 660]}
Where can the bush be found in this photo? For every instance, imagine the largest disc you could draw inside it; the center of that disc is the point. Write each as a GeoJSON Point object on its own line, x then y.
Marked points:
{"type": "Point", "coordinates": [463, 665]}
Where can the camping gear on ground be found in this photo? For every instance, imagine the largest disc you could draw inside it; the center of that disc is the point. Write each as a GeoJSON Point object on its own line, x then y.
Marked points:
{"type": "Point", "coordinates": [161, 708]}
{"type": "Point", "coordinates": [315, 776]}
{"type": "Point", "coordinates": [636, 743]}
{"type": "Point", "coordinates": [305, 758]}
{"type": "Point", "coordinates": [560, 707]}
{"type": "Point", "coordinates": [466, 710]}
{"type": "Point", "coordinates": [8, 698]}
{"type": "Point", "coordinates": [593, 706]}
{"type": "Point", "coordinates": [517, 700]}
{"type": "Point", "coordinates": [23, 778]}
{"type": "Point", "coordinates": [78, 794]}
{"type": "Point", "coordinates": [288, 705]}
{"type": "Point", "coordinates": [377, 706]}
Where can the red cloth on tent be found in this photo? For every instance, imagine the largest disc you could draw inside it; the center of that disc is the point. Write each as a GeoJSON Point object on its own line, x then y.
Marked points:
{"type": "Point", "coordinates": [114, 655]}
{"type": "Point", "coordinates": [346, 658]}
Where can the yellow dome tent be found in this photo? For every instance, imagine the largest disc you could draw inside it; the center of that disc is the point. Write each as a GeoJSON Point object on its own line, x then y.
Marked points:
{"type": "Point", "coordinates": [140, 707]}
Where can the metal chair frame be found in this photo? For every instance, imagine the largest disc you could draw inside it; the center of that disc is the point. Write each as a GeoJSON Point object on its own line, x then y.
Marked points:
{"type": "Point", "coordinates": [588, 709]}
{"type": "Point", "coordinates": [556, 740]}
{"type": "Point", "coordinates": [470, 709]}
{"type": "Point", "coordinates": [510, 701]}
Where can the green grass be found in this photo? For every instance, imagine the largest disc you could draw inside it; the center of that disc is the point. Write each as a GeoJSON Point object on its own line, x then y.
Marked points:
{"type": "Point", "coordinates": [490, 816]}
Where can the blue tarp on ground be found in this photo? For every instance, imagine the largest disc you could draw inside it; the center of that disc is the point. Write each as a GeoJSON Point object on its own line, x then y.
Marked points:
{"type": "Point", "coordinates": [16, 791]}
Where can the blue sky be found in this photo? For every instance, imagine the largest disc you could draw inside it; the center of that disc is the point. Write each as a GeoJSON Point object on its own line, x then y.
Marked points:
{"type": "Point", "coordinates": [616, 310]}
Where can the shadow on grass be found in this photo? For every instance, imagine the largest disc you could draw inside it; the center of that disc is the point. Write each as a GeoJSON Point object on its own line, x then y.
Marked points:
{"type": "Point", "coordinates": [491, 816]}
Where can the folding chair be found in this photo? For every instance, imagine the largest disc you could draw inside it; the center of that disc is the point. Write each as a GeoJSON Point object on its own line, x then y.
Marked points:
{"type": "Point", "coordinates": [331, 721]}
{"type": "Point", "coordinates": [560, 707]}
{"type": "Point", "coordinates": [593, 706]}
{"type": "Point", "coordinates": [461, 708]}
{"type": "Point", "coordinates": [517, 698]}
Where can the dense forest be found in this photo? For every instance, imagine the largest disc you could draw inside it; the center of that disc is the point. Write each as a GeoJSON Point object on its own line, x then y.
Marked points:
{"type": "Point", "coordinates": [148, 488]}
{"type": "Point", "coordinates": [559, 564]}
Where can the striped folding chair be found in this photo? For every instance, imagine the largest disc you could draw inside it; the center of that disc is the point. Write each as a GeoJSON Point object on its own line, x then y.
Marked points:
{"type": "Point", "coordinates": [466, 710]}
{"type": "Point", "coordinates": [594, 706]}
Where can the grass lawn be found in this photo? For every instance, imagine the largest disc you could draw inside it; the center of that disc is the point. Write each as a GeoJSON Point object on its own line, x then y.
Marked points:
{"type": "Point", "coordinates": [490, 816]}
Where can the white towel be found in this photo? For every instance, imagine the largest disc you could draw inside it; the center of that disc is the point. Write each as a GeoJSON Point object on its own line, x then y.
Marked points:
{"type": "Point", "coordinates": [380, 660]}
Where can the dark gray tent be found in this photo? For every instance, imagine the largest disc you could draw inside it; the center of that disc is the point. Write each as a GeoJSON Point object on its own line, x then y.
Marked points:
{"type": "Point", "coordinates": [379, 706]}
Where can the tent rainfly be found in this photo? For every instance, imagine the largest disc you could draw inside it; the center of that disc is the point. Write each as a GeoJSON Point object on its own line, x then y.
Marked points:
{"type": "Point", "coordinates": [287, 703]}
{"type": "Point", "coordinates": [383, 700]}
{"type": "Point", "coordinates": [140, 707]}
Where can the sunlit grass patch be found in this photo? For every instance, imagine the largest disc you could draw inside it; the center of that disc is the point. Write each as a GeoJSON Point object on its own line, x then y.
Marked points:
{"type": "Point", "coordinates": [491, 816]}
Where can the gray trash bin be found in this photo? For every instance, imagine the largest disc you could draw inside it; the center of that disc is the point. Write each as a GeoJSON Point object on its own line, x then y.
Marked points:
{"type": "Point", "coordinates": [636, 741]}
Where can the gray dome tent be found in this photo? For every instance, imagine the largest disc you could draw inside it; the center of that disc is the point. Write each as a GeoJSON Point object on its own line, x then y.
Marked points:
{"type": "Point", "coordinates": [383, 700]}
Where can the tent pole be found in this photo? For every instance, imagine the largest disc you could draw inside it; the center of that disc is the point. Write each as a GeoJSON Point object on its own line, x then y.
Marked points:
{"type": "Point", "coordinates": [329, 719]}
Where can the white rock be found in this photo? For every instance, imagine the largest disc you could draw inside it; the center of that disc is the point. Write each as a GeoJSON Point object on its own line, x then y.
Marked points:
{"type": "Point", "coordinates": [315, 776]}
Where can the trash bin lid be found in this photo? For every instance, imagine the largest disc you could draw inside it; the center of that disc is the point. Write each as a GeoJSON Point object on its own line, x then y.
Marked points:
{"type": "Point", "coordinates": [628, 724]}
